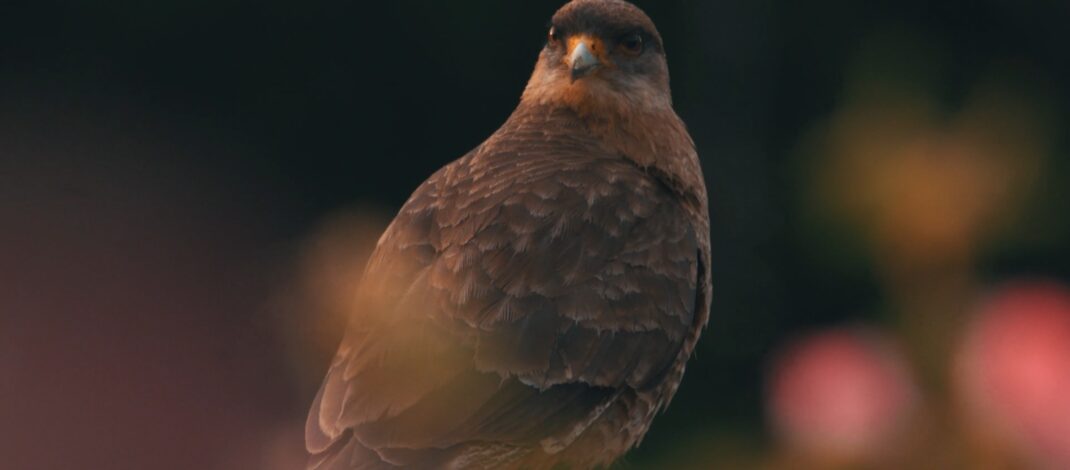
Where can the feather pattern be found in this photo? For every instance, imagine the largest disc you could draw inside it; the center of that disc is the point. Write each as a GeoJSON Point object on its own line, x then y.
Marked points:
{"type": "Point", "coordinates": [532, 290]}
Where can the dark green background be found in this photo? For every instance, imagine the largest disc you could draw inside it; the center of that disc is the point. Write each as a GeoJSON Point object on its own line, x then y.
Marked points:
{"type": "Point", "coordinates": [258, 118]}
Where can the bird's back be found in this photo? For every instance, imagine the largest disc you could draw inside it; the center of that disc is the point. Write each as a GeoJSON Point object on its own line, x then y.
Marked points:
{"type": "Point", "coordinates": [533, 303]}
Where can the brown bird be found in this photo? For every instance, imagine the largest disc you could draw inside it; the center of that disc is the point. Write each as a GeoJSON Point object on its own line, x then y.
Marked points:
{"type": "Point", "coordinates": [534, 303]}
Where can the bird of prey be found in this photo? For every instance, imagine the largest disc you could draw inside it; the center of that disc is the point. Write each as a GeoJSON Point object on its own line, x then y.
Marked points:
{"type": "Point", "coordinates": [533, 303]}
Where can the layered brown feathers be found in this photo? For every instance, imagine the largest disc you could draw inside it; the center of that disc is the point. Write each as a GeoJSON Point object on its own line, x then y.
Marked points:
{"type": "Point", "coordinates": [534, 302]}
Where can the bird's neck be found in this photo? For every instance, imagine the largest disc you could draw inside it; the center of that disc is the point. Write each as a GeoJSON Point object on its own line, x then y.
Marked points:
{"type": "Point", "coordinates": [650, 135]}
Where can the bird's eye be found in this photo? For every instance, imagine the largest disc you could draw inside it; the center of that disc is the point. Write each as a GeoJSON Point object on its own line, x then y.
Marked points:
{"type": "Point", "coordinates": [552, 37]}
{"type": "Point", "coordinates": [631, 44]}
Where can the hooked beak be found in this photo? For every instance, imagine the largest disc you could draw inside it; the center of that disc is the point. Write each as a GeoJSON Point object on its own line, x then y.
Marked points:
{"type": "Point", "coordinates": [582, 60]}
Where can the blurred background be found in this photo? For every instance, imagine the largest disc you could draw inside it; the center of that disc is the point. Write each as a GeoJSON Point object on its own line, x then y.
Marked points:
{"type": "Point", "coordinates": [188, 190]}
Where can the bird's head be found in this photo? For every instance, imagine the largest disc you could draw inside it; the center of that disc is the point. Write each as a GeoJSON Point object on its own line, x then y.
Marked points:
{"type": "Point", "coordinates": [601, 53]}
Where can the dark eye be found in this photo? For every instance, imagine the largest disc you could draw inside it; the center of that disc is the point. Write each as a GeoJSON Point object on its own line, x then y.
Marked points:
{"type": "Point", "coordinates": [552, 37]}
{"type": "Point", "coordinates": [632, 43]}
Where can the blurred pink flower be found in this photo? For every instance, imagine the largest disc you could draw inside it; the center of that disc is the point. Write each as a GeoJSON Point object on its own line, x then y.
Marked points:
{"type": "Point", "coordinates": [839, 394]}
{"type": "Point", "coordinates": [1015, 368]}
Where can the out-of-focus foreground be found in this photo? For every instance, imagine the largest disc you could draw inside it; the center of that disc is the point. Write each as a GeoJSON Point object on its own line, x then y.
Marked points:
{"type": "Point", "coordinates": [188, 192]}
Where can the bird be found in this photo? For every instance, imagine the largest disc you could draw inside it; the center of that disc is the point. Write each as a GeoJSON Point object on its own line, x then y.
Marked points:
{"type": "Point", "coordinates": [534, 303]}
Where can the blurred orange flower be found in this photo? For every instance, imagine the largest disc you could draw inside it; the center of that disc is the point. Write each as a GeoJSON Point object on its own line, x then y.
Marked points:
{"type": "Point", "coordinates": [924, 188]}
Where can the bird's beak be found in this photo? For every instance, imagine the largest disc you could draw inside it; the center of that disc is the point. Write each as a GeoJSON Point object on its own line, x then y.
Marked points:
{"type": "Point", "coordinates": [582, 58]}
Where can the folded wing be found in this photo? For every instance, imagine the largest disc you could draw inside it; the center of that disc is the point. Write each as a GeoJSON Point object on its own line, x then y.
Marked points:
{"type": "Point", "coordinates": [508, 306]}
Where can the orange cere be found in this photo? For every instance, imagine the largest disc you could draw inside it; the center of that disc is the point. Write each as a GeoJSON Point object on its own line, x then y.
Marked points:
{"type": "Point", "coordinates": [594, 43]}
